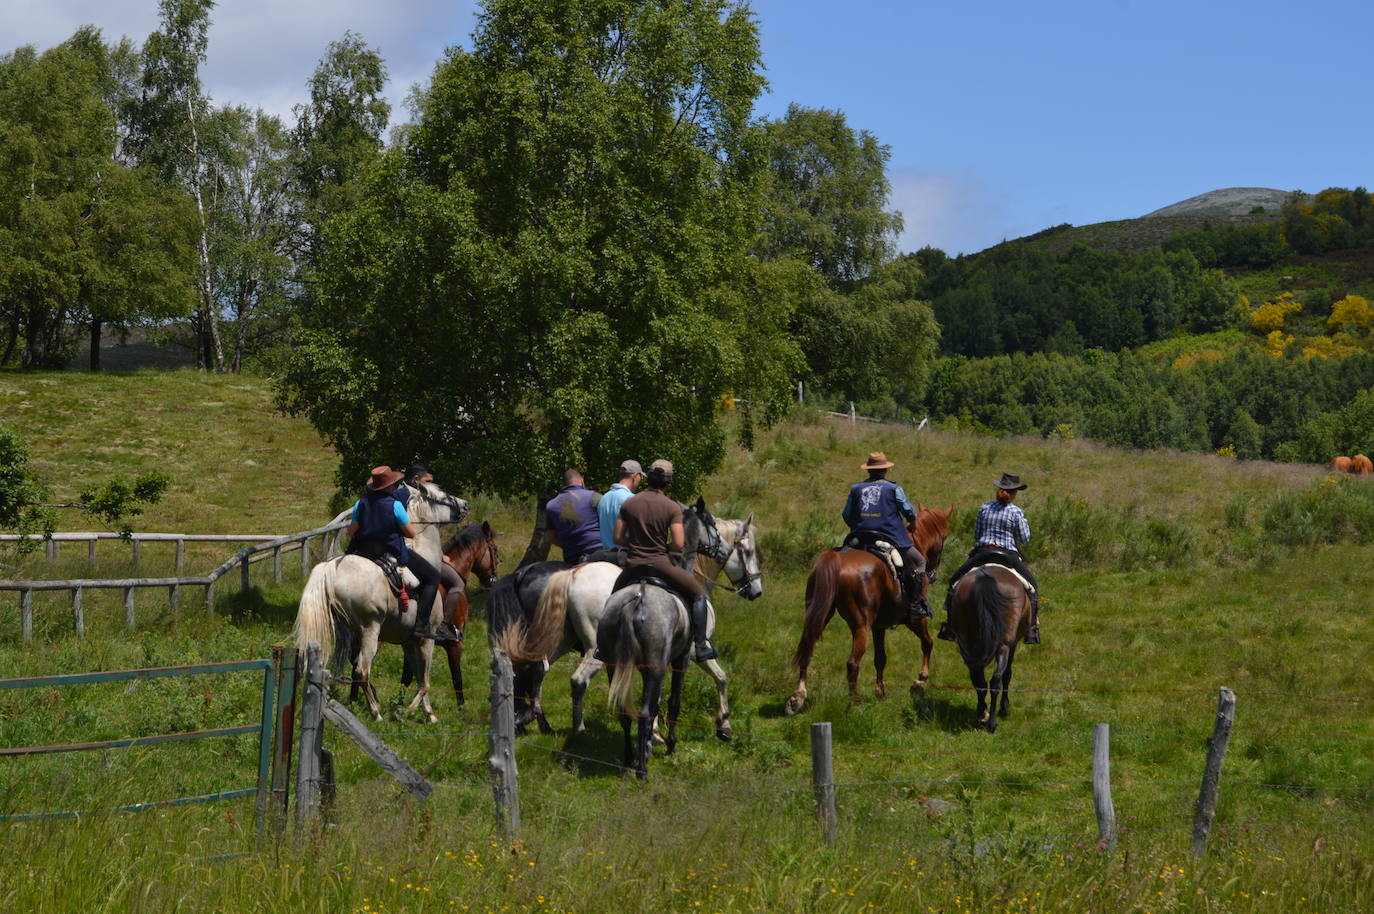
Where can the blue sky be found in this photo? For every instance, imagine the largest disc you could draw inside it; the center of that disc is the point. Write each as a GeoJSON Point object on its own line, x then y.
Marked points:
{"type": "Point", "coordinates": [1003, 118]}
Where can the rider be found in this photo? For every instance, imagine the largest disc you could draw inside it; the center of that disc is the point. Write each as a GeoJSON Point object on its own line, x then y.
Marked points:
{"type": "Point", "coordinates": [878, 505]}
{"type": "Point", "coordinates": [650, 527]}
{"type": "Point", "coordinates": [453, 584]}
{"type": "Point", "coordinates": [571, 518]}
{"type": "Point", "coordinates": [1001, 526]}
{"type": "Point", "coordinates": [608, 509]}
{"type": "Point", "coordinates": [380, 526]}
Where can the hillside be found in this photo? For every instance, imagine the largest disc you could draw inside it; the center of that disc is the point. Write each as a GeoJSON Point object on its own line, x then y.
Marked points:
{"type": "Point", "coordinates": [1229, 201]}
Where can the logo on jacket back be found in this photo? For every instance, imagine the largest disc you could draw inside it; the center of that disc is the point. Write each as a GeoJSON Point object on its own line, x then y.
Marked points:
{"type": "Point", "coordinates": [868, 497]}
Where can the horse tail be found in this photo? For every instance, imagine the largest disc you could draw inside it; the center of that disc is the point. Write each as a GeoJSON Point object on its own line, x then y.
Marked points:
{"type": "Point", "coordinates": [626, 653]}
{"type": "Point", "coordinates": [990, 604]}
{"type": "Point", "coordinates": [503, 608]}
{"type": "Point", "coordinates": [821, 589]}
{"type": "Point", "coordinates": [315, 618]}
{"type": "Point", "coordinates": [545, 631]}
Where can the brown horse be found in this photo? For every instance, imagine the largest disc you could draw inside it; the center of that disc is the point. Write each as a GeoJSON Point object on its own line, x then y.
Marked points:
{"type": "Point", "coordinates": [867, 596]}
{"type": "Point", "coordinates": [1361, 465]}
{"type": "Point", "coordinates": [1340, 464]}
{"type": "Point", "coordinates": [472, 550]}
{"type": "Point", "coordinates": [989, 612]}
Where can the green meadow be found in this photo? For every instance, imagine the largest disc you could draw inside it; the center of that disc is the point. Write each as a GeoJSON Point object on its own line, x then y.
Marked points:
{"type": "Point", "coordinates": [1166, 576]}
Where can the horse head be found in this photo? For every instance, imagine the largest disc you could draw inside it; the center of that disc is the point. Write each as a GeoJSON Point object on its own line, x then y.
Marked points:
{"type": "Point", "coordinates": [437, 506]}
{"type": "Point", "coordinates": [743, 563]}
{"type": "Point", "coordinates": [929, 531]}
{"type": "Point", "coordinates": [489, 560]}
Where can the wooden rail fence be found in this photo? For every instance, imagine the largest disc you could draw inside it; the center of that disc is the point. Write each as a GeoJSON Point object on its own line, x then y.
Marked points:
{"type": "Point", "coordinates": [261, 551]}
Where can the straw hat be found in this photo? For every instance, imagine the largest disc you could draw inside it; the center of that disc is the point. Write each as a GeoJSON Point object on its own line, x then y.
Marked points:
{"type": "Point", "coordinates": [877, 460]}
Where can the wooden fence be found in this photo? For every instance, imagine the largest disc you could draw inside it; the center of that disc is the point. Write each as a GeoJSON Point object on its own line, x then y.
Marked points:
{"type": "Point", "coordinates": [270, 550]}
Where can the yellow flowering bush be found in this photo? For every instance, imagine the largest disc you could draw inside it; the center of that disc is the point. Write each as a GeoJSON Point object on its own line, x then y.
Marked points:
{"type": "Point", "coordinates": [1277, 342]}
{"type": "Point", "coordinates": [1353, 311]}
{"type": "Point", "coordinates": [1269, 316]}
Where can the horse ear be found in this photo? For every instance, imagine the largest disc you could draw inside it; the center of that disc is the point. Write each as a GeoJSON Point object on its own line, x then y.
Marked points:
{"type": "Point", "coordinates": [920, 506]}
{"type": "Point", "coordinates": [749, 521]}
{"type": "Point", "coordinates": [701, 503]}
{"type": "Point", "coordinates": [486, 530]}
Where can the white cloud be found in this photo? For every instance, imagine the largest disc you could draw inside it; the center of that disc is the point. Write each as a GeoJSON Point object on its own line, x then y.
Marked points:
{"type": "Point", "coordinates": [261, 52]}
{"type": "Point", "coordinates": [953, 210]}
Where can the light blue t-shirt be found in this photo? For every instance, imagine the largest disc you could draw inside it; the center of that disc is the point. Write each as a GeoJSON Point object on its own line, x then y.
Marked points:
{"type": "Point", "coordinates": [609, 509]}
{"type": "Point", "coordinates": [402, 518]}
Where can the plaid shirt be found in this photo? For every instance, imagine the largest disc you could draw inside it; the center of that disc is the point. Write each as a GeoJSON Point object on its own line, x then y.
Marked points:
{"type": "Point", "coordinates": [1000, 525]}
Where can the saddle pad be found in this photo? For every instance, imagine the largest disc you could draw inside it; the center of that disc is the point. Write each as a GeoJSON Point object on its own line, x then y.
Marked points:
{"type": "Point", "coordinates": [1016, 574]}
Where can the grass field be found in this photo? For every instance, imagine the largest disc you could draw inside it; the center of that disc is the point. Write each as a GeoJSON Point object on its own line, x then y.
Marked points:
{"type": "Point", "coordinates": [1165, 576]}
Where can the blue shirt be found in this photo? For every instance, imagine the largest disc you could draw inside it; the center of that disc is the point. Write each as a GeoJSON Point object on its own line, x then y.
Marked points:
{"type": "Point", "coordinates": [572, 515]}
{"type": "Point", "coordinates": [609, 510]}
{"type": "Point", "coordinates": [380, 517]}
{"type": "Point", "coordinates": [402, 518]}
{"type": "Point", "coordinates": [1001, 525]}
{"type": "Point", "coordinates": [880, 505]}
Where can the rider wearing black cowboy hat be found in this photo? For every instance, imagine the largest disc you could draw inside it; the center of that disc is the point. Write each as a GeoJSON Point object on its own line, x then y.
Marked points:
{"type": "Point", "coordinates": [1001, 526]}
{"type": "Point", "coordinates": [877, 505]}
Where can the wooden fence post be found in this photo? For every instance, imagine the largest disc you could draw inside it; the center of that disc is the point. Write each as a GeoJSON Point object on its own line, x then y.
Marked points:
{"type": "Point", "coordinates": [78, 615]}
{"type": "Point", "coordinates": [501, 745]}
{"type": "Point", "coordinates": [1102, 785]}
{"type": "Point", "coordinates": [312, 738]}
{"type": "Point", "coordinates": [210, 596]}
{"type": "Point", "coordinates": [174, 597]}
{"type": "Point", "coordinates": [138, 547]}
{"type": "Point", "coordinates": [52, 549]}
{"type": "Point", "coordinates": [26, 614]}
{"type": "Point", "coordinates": [823, 779]}
{"type": "Point", "coordinates": [129, 608]}
{"type": "Point", "coordinates": [1211, 775]}
{"type": "Point", "coordinates": [285, 663]}
{"type": "Point", "coordinates": [181, 555]}
{"type": "Point", "coordinates": [305, 558]}
{"type": "Point", "coordinates": [243, 574]}
{"type": "Point", "coordinates": [853, 418]}
{"type": "Point", "coordinates": [276, 564]}
{"type": "Point", "coordinates": [90, 550]}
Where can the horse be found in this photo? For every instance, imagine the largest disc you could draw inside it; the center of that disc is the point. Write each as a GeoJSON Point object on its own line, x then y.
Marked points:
{"type": "Point", "coordinates": [573, 601]}
{"type": "Point", "coordinates": [1361, 465]}
{"type": "Point", "coordinates": [645, 627]}
{"type": "Point", "coordinates": [989, 612]}
{"type": "Point", "coordinates": [347, 607]}
{"type": "Point", "coordinates": [867, 596]}
{"type": "Point", "coordinates": [1340, 464]}
{"type": "Point", "coordinates": [471, 550]}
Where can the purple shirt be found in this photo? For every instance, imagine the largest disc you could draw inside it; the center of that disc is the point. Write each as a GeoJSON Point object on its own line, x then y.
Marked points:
{"type": "Point", "coordinates": [571, 514]}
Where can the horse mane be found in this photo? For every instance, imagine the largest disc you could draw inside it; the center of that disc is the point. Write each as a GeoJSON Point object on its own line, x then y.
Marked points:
{"type": "Point", "coordinates": [465, 537]}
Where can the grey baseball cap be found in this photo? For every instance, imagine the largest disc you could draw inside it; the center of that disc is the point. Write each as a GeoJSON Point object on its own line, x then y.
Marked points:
{"type": "Point", "coordinates": [628, 467]}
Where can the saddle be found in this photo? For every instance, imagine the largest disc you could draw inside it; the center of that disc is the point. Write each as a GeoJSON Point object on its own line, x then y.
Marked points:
{"type": "Point", "coordinates": [881, 549]}
{"type": "Point", "coordinates": [631, 579]}
{"type": "Point", "coordinates": [1014, 573]}
{"type": "Point", "coordinates": [398, 577]}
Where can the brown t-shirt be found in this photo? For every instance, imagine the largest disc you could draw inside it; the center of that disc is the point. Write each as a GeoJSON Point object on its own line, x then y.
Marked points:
{"type": "Point", "coordinates": [647, 517]}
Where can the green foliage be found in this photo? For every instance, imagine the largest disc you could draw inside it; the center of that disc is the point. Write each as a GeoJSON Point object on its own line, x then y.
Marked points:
{"type": "Point", "coordinates": [117, 500]}
{"type": "Point", "coordinates": [1332, 511]}
{"type": "Point", "coordinates": [552, 269]}
{"type": "Point", "coordinates": [21, 494]}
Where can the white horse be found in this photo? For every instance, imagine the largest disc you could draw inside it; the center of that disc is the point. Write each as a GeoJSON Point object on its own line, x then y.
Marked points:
{"type": "Point", "coordinates": [348, 607]}
{"type": "Point", "coordinates": [573, 604]}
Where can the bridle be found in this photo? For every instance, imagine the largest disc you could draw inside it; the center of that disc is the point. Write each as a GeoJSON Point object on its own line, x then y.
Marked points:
{"type": "Point", "coordinates": [715, 549]}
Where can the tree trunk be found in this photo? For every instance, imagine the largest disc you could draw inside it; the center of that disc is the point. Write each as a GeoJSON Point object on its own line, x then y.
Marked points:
{"type": "Point", "coordinates": [14, 338]}
{"type": "Point", "coordinates": [97, 325]}
{"type": "Point", "coordinates": [241, 336]}
{"type": "Point", "coordinates": [538, 549]}
{"type": "Point", "coordinates": [207, 292]}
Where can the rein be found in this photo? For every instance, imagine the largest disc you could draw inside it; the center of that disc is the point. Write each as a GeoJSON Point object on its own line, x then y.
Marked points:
{"type": "Point", "coordinates": [722, 555]}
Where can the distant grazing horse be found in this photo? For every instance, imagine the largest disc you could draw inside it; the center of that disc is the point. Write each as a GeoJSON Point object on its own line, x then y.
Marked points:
{"type": "Point", "coordinates": [574, 601]}
{"type": "Point", "coordinates": [472, 550]}
{"type": "Point", "coordinates": [512, 604]}
{"type": "Point", "coordinates": [1361, 465]}
{"type": "Point", "coordinates": [989, 613]}
{"type": "Point", "coordinates": [867, 596]}
{"type": "Point", "coordinates": [645, 628]}
{"type": "Point", "coordinates": [1340, 464]}
{"type": "Point", "coordinates": [348, 607]}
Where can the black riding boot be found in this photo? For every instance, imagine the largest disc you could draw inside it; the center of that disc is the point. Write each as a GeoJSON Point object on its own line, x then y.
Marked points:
{"type": "Point", "coordinates": [424, 601]}
{"type": "Point", "coordinates": [915, 603]}
{"type": "Point", "coordinates": [697, 615]}
{"type": "Point", "coordinates": [946, 633]}
{"type": "Point", "coordinates": [1033, 634]}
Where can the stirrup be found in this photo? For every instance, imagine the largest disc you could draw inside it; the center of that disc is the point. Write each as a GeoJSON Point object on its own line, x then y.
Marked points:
{"type": "Point", "coordinates": [945, 634]}
{"type": "Point", "coordinates": [1033, 634]}
{"type": "Point", "coordinates": [704, 650]}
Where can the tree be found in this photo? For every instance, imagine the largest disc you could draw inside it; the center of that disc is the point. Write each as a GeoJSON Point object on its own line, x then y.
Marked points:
{"type": "Point", "coordinates": [166, 126]}
{"type": "Point", "coordinates": [827, 196]}
{"type": "Point", "coordinates": [552, 270]}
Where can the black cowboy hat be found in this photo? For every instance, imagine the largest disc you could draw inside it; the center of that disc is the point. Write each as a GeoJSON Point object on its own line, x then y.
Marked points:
{"type": "Point", "coordinates": [1010, 482]}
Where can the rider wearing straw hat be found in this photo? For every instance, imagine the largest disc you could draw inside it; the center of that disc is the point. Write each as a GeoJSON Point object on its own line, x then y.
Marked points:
{"type": "Point", "coordinates": [1001, 526]}
{"type": "Point", "coordinates": [877, 505]}
{"type": "Point", "coordinates": [381, 525]}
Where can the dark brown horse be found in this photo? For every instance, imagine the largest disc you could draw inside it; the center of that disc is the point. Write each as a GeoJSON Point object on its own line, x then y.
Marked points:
{"type": "Point", "coordinates": [472, 550]}
{"type": "Point", "coordinates": [989, 612]}
{"type": "Point", "coordinates": [866, 595]}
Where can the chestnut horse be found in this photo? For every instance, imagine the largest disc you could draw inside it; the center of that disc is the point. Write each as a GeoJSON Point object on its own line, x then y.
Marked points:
{"type": "Point", "coordinates": [867, 596]}
{"type": "Point", "coordinates": [989, 612]}
{"type": "Point", "coordinates": [471, 550]}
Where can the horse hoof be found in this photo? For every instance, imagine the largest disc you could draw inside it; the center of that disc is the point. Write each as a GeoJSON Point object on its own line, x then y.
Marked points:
{"type": "Point", "coordinates": [724, 734]}
{"type": "Point", "coordinates": [793, 706]}
{"type": "Point", "coordinates": [544, 725]}
{"type": "Point", "coordinates": [433, 719]}
{"type": "Point", "coordinates": [656, 740]}
{"type": "Point", "coordinates": [918, 689]}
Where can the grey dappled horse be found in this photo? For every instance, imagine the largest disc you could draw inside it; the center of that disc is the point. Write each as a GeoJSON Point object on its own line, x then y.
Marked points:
{"type": "Point", "coordinates": [348, 607]}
